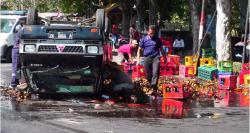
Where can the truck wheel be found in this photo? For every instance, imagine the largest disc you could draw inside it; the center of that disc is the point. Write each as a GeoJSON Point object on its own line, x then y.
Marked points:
{"type": "Point", "coordinates": [100, 19]}
{"type": "Point", "coordinates": [9, 55]}
{"type": "Point", "coordinates": [32, 17]}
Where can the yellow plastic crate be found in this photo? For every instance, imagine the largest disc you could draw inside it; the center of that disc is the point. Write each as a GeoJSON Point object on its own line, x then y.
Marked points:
{"type": "Point", "coordinates": [207, 62]}
{"type": "Point", "coordinates": [247, 80]}
{"type": "Point", "coordinates": [190, 60]}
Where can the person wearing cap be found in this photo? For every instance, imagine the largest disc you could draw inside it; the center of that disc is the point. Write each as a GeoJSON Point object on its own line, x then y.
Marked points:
{"type": "Point", "coordinates": [151, 46]}
{"type": "Point", "coordinates": [16, 66]}
{"type": "Point", "coordinates": [125, 51]}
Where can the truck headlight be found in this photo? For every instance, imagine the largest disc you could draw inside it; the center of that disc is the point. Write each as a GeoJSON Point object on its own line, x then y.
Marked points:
{"type": "Point", "coordinates": [92, 49]}
{"type": "Point", "coordinates": [29, 48]}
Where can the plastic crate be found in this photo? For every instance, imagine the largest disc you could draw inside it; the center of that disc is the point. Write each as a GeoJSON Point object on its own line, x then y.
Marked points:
{"type": "Point", "coordinates": [166, 70]}
{"type": "Point", "coordinates": [207, 62]}
{"type": "Point", "coordinates": [190, 60]}
{"type": "Point", "coordinates": [246, 66]}
{"type": "Point", "coordinates": [128, 67]}
{"type": "Point", "coordinates": [138, 72]}
{"type": "Point", "coordinates": [227, 82]}
{"type": "Point", "coordinates": [227, 98]}
{"type": "Point", "coordinates": [226, 66]}
{"type": "Point", "coordinates": [175, 91]}
{"type": "Point", "coordinates": [174, 108]}
{"type": "Point", "coordinates": [186, 71]}
{"type": "Point", "coordinates": [207, 73]}
{"type": "Point", "coordinates": [206, 53]}
{"type": "Point", "coordinates": [171, 60]}
{"type": "Point", "coordinates": [237, 66]}
{"type": "Point", "coordinates": [224, 73]}
{"type": "Point", "coordinates": [242, 76]}
{"type": "Point", "coordinates": [247, 80]}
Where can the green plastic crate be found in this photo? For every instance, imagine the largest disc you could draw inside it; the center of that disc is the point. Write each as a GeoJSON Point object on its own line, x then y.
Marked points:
{"type": "Point", "coordinates": [207, 73]}
{"type": "Point", "coordinates": [225, 66]}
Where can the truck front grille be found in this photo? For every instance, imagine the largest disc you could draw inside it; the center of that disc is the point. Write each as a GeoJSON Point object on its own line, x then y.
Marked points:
{"type": "Point", "coordinates": [73, 49]}
{"type": "Point", "coordinates": [66, 49]}
{"type": "Point", "coordinates": [47, 48]}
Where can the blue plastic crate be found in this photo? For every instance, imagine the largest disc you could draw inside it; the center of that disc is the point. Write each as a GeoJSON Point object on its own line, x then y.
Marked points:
{"type": "Point", "coordinates": [225, 73]}
{"type": "Point", "coordinates": [207, 73]}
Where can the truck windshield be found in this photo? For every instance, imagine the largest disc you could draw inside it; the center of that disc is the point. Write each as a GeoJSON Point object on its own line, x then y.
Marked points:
{"type": "Point", "coordinates": [6, 25]}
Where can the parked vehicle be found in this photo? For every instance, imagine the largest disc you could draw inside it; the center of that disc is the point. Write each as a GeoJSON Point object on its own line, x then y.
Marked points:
{"type": "Point", "coordinates": [9, 20]}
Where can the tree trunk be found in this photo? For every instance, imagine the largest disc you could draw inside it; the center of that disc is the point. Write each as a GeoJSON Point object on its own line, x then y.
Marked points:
{"type": "Point", "coordinates": [243, 12]}
{"type": "Point", "coordinates": [139, 10]}
{"type": "Point", "coordinates": [152, 12]}
{"type": "Point", "coordinates": [195, 24]}
{"type": "Point", "coordinates": [125, 8]}
{"type": "Point", "coordinates": [223, 37]}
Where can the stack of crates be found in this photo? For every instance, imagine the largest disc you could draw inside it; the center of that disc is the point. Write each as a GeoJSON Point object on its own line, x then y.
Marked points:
{"type": "Point", "coordinates": [171, 67]}
{"type": "Point", "coordinates": [206, 53]}
{"type": "Point", "coordinates": [138, 72]}
{"type": "Point", "coordinates": [191, 61]}
{"type": "Point", "coordinates": [186, 71]}
{"type": "Point", "coordinates": [225, 67]}
{"type": "Point", "coordinates": [207, 61]}
{"type": "Point", "coordinates": [207, 73]}
{"type": "Point", "coordinates": [176, 91]}
{"type": "Point", "coordinates": [227, 82]}
{"type": "Point", "coordinates": [244, 77]}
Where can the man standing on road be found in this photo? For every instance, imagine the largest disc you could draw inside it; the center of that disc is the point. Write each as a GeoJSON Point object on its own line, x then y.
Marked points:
{"type": "Point", "coordinates": [151, 46]}
{"type": "Point", "coordinates": [16, 58]}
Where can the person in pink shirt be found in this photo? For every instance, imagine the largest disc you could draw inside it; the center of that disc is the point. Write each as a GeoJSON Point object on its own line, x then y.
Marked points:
{"type": "Point", "coordinates": [125, 51]}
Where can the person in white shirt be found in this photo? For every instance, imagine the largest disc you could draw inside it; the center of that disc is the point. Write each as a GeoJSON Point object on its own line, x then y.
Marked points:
{"type": "Point", "coordinates": [178, 45]}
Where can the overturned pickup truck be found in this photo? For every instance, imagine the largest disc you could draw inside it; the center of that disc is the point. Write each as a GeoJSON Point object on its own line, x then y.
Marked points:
{"type": "Point", "coordinates": [63, 57]}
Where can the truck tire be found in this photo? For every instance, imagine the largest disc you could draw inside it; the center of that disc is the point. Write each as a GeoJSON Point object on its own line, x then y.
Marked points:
{"type": "Point", "coordinates": [100, 19]}
{"type": "Point", "coordinates": [32, 17]}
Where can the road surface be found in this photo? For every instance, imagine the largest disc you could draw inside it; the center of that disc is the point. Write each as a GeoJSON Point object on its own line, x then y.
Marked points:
{"type": "Point", "coordinates": [82, 115]}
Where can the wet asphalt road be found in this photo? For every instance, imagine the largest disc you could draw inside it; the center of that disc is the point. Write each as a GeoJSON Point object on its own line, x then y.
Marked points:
{"type": "Point", "coordinates": [80, 115]}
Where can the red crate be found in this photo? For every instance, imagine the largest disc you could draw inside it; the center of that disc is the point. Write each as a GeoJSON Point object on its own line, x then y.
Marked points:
{"type": "Point", "coordinates": [243, 100]}
{"type": "Point", "coordinates": [174, 108]}
{"type": "Point", "coordinates": [166, 70]}
{"type": "Point", "coordinates": [186, 71]}
{"type": "Point", "coordinates": [226, 98]}
{"type": "Point", "coordinates": [175, 91]}
{"type": "Point", "coordinates": [246, 66]}
{"type": "Point", "coordinates": [241, 76]}
{"type": "Point", "coordinates": [127, 66]}
{"type": "Point", "coordinates": [138, 72]}
{"type": "Point", "coordinates": [227, 81]}
{"type": "Point", "coordinates": [171, 60]}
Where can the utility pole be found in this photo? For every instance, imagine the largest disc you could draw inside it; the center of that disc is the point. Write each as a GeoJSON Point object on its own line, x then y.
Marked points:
{"type": "Point", "coordinates": [201, 27]}
{"type": "Point", "coordinates": [247, 25]}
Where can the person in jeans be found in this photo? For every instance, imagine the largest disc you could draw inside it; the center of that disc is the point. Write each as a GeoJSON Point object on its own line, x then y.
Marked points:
{"type": "Point", "coordinates": [151, 46]}
{"type": "Point", "coordinates": [16, 66]}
